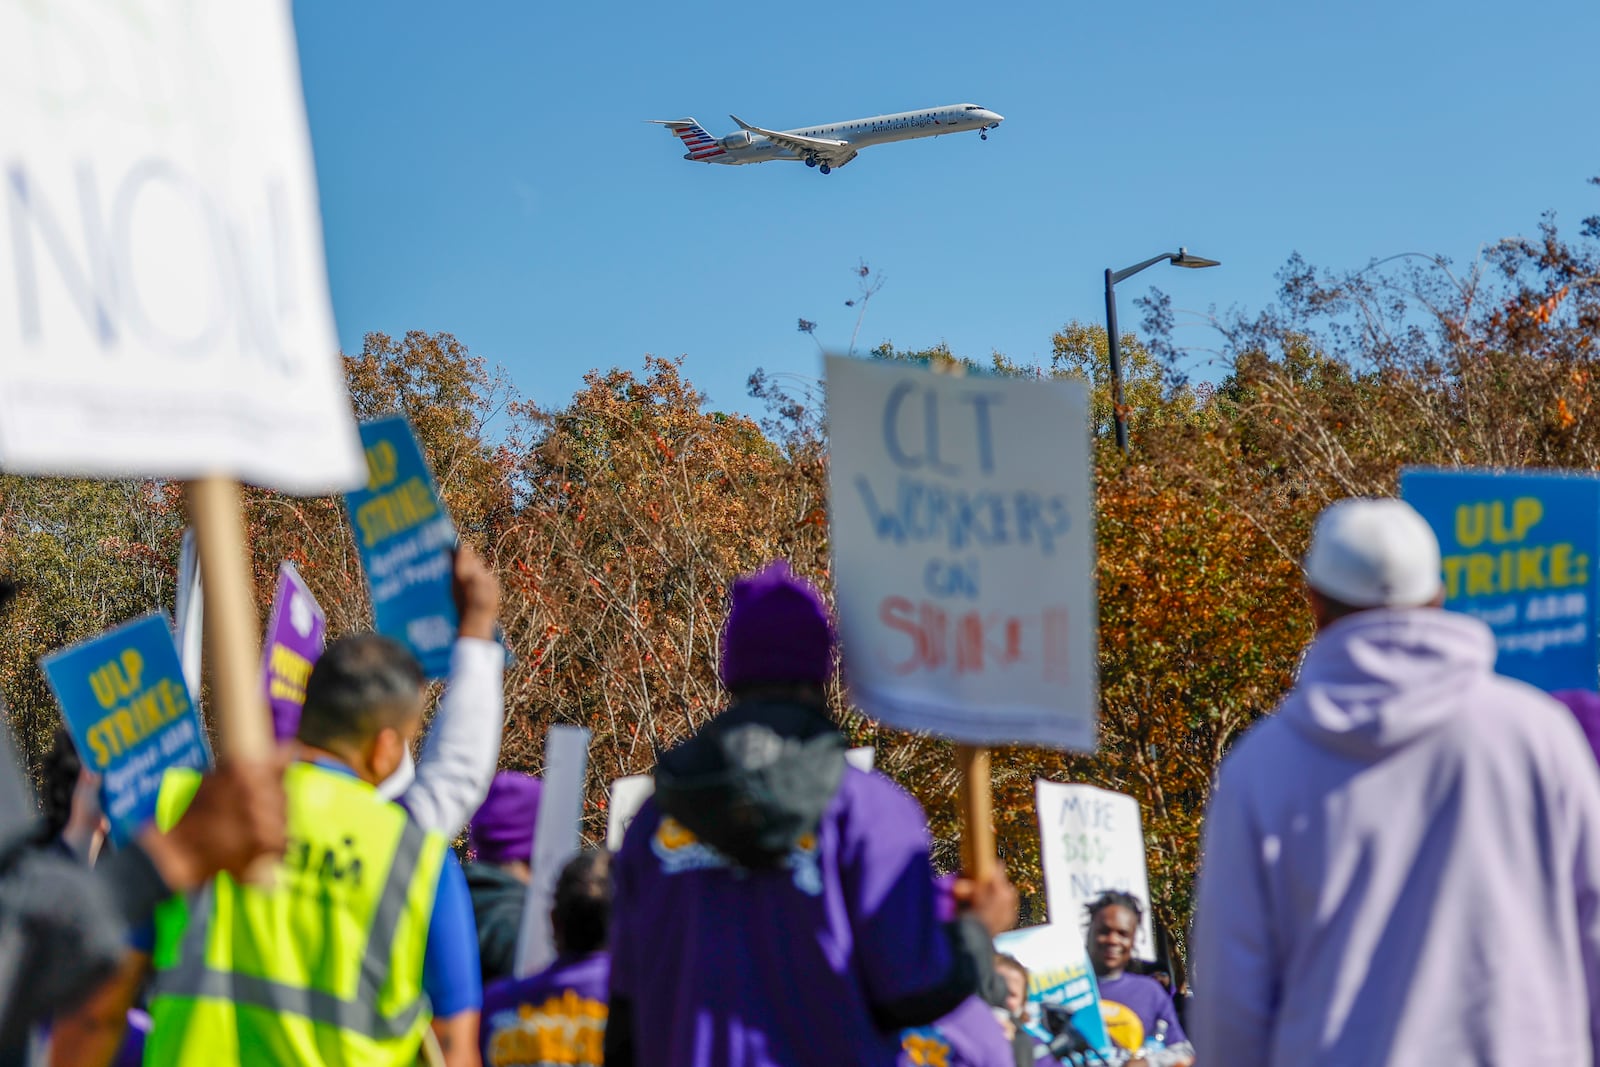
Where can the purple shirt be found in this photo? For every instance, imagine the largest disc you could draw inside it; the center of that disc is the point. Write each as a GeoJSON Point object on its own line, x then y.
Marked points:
{"type": "Point", "coordinates": [1133, 1006]}
{"type": "Point", "coordinates": [726, 966]}
{"type": "Point", "coordinates": [557, 1016]}
{"type": "Point", "coordinates": [970, 1036]}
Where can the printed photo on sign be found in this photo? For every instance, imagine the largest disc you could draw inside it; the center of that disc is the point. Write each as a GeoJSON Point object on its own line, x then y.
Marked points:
{"type": "Point", "coordinates": [406, 541]}
{"type": "Point", "coordinates": [1518, 551]}
{"type": "Point", "coordinates": [962, 522]}
{"type": "Point", "coordinates": [1091, 841]}
{"type": "Point", "coordinates": [164, 301]}
{"type": "Point", "coordinates": [1061, 985]}
{"type": "Point", "coordinates": [130, 714]}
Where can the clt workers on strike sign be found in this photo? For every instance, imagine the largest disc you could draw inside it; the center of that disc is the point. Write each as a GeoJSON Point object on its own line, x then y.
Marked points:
{"type": "Point", "coordinates": [963, 542]}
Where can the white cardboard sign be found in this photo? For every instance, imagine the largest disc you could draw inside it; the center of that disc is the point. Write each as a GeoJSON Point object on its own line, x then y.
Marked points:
{"type": "Point", "coordinates": [1091, 840]}
{"type": "Point", "coordinates": [962, 519]}
{"type": "Point", "coordinates": [164, 302]}
{"type": "Point", "coordinates": [555, 841]}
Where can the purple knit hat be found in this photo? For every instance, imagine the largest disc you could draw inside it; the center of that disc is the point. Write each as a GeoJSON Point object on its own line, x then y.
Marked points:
{"type": "Point", "coordinates": [1585, 707]}
{"type": "Point", "coordinates": [778, 631]}
{"type": "Point", "coordinates": [502, 830]}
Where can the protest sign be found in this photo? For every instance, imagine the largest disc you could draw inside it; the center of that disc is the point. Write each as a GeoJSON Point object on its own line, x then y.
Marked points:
{"type": "Point", "coordinates": [188, 614]}
{"type": "Point", "coordinates": [629, 794]}
{"type": "Point", "coordinates": [406, 539]}
{"type": "Point", "coordinates": [1518, 552]}
{"type": "Point", "coordinates": [1059, 976]}
{"type": "Point", "coordinates": [962, 522]}
{"type": "Point", "coordinates": [164, 303]}
{"type": "Point", "coordinates": [295, 633]}
{"type": "Point", "coordinates": [1090, 841]}
{"type": "Point", "coordinates": [627, 797]}
{"type": "Point", "coordinates": [130, 714]}
{"type": "Point", "coordinates": [555, 841]}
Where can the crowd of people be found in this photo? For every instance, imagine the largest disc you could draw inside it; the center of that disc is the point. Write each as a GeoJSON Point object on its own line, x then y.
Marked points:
{"type": "Point", "coordinates": [1401, 866]}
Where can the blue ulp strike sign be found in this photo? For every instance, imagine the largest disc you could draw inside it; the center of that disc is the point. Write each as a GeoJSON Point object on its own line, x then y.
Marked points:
{"type": "Point", "coordinates": [1519, 552]}
{"type": "Point", "coordinates": [407, 541]}
{"type": "Point", "coordinates": [130, 714]}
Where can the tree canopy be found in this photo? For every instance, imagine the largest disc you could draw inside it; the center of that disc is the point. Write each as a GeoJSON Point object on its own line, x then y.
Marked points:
{"type": "Point", "coordinates": [617, 519]}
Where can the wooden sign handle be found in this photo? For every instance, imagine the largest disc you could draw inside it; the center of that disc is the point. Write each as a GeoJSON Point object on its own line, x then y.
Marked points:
{"type": "Point", "coordinates": [977, 812]}
{"type": "Point", "coordinates": [233, 649]}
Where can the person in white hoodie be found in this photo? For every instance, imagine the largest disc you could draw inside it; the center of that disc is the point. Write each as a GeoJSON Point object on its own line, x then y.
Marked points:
{"type": "Point", "coordinates": [1402, 865]}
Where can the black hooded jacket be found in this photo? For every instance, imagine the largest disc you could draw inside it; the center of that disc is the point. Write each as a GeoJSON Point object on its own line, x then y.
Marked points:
{"type": "Point", "coordinates": [751, 784]}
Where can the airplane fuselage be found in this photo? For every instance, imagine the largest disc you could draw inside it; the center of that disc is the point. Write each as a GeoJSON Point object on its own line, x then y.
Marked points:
{"type": "Point", "coordinates": [750, 147]}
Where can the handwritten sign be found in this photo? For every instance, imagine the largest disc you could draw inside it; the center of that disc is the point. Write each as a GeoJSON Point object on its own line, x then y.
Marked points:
{"type": "Point", "coordinates": [130, 714]}
{"type": "Point", "coordinates": [1090, 841]}
{"type": "Point", "coordinates": [406, 538]}
{"type": "Point", "coordinates": [295, 633]}
{"type": "Point", "coordinates": [164, 301]}
{"type": "Point", "coordinates": [1519, 552]}
{"type": "Point", "coordinates": [1059, 976]}
{"type": "Point", "coordinates": [963, 551]}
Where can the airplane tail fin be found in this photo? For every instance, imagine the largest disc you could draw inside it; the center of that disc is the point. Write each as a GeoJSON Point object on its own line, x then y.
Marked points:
{"type": "Point", "coordinates": [701, 145]}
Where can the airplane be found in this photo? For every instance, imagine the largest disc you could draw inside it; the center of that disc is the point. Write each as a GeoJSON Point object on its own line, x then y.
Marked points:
{"type": "Point", "coordinates": [830, 146]}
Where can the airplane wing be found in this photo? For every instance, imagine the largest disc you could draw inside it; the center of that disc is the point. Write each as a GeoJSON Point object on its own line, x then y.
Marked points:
{"type": "Point", "coordinates": [833, 153]}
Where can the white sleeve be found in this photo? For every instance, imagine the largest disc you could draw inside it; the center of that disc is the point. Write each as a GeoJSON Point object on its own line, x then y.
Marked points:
{"type": "Point", "coordinates": [462, 748]}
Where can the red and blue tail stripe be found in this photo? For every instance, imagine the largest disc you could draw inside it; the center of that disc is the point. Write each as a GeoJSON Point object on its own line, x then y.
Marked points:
{"type": "Point", "coordinates": [701, 144]}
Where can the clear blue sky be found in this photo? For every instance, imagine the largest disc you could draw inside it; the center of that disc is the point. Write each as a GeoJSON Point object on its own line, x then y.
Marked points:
{"type": "Point", "coordinates": [485, 168]}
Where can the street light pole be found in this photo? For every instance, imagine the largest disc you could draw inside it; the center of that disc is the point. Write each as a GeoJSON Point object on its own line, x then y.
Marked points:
{"type": "Point", "coordinates": [1180, 258]}
{"type": "Point", "coordinates": [1115, 347]}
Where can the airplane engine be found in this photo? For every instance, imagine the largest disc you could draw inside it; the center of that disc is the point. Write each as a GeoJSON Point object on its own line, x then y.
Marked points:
{"type": "Point", "coordinates": [736, 140]}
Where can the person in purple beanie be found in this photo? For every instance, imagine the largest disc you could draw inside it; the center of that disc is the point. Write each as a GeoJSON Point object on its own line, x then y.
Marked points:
{"type": "Point", "coordinates": [501, 838]}
{"type": "Point", "coordinates": [773, 905]}
{"type": "Point", "coordinates": [559, 1014]}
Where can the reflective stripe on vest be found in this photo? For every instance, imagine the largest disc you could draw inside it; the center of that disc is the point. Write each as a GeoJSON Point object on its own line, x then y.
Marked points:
{"type": "Point", "coordinates": [192, 977]}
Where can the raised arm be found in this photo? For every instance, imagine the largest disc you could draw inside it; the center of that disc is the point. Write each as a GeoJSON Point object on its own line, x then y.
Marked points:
{"type": "Point", "coordinates": [463, 745]}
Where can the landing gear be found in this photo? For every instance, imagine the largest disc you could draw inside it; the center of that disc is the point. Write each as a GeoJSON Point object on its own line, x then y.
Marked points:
{"type": "Point", "coordinates": [826, 169]}
{"type": "Point", "coordinates": [984, 136]}
{"type": "Point", "coordinates": [811, 161]}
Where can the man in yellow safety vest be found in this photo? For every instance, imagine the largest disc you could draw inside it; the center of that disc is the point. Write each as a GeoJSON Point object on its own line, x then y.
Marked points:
{"type": "Point", "coordinates": [364, 937]}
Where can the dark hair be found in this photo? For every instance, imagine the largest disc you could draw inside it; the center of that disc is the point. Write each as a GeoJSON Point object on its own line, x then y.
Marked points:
{"type": "Point", "coordinates": [581, 915]}
{"type": "Point", "coordinates": [59, 772]}
{"type": "Point", "coordinates": [360, 685]}
{"type": "Point", "coordinates": [1115, 898]}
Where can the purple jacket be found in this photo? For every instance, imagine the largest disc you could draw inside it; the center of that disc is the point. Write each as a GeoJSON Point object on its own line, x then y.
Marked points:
{"type": "Point", "coordinates": [970, 1036]}
{"type": "Point", "coordinates": [555, 1016]}
{"type": "Point", "coordinates": [1403, 864]}
{"type": "Point", "coordinates": [727, 967]}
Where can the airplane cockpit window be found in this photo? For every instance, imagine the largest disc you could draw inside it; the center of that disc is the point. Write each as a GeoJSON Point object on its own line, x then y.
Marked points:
{"type": "Point", "coordinates": [972, 107]}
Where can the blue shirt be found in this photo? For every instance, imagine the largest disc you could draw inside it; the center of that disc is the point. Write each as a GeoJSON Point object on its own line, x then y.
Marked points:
{"type": "Point", "coordinates": [450, 974]}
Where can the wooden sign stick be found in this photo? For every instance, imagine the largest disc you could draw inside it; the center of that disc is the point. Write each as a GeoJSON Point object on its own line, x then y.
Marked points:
{"type": "Point", "coordinates": [977, 812]}
{"type": "Point", "coordinates": [233, 649]}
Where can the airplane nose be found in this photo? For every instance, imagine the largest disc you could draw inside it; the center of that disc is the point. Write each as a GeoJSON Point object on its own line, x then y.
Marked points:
{"type": "Point", "coordinates": [995, 119]}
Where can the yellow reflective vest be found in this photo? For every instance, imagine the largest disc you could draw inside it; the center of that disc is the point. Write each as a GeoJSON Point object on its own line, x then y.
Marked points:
{"type": "Point", "coordinates": [323, 965]}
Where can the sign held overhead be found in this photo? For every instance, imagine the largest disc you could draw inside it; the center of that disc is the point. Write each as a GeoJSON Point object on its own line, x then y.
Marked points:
{"type": "Point", "coordinates": [963, 540]}
{"type": "Point", "coordinates": [164, 303]}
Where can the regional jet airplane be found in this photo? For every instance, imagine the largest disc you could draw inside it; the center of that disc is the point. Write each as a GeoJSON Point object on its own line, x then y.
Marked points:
{"type": "Point", "coordinates": [826, 147]}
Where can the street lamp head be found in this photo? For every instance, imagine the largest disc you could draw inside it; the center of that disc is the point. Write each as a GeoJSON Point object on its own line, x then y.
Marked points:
{"type": "Point", "coordinates": [1184, 259]}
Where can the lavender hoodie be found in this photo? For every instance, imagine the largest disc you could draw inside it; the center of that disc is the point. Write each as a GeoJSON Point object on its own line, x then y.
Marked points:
{"type": "Point", "coordinates": [1402, 866]}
